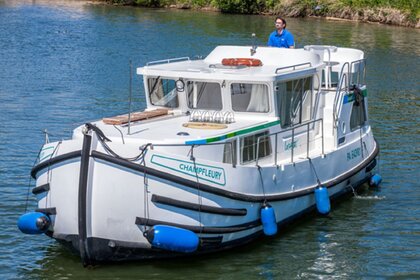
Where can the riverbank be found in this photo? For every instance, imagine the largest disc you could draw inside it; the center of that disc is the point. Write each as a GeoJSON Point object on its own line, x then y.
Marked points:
{"type": "Point", "coordinates": [399, 12]}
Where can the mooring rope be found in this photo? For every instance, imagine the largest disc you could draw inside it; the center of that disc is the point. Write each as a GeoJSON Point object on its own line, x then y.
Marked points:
{"type": "Point", "coordinates": [259, 168]}
{"type": "Point", "coordinates": [146, 210]}
{"type": "Point", "coordinates": [122, 135]}
{"type": "Point", "coordinates": [313, 168]}
{"type": "Point", "coordinates": [200, 199]}
{"type": "Point", "coordinates": [103, 139]}
{"type": "Point", "coordinates": [30, 179]}
{"type": "Point", "coordinates": [49, 172]}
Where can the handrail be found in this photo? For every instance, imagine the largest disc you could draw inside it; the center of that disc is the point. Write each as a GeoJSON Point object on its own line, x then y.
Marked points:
{"type": "Point", "coordinates": [293, 66]}
{"type": "Point", "coordinates": [361, 68]}
{"type": "Point", "coordinates": [197, 145]}
{"type": "Point", "coordinates": [322, 48]}
{"type": "Point", "coordinates": [344, 76]}
{"type": "Point", "coordinates": [318, 94]}
{"type": "Point", "coordinates": [293, 136]}
{"type": "Point", "coordinates": [169, 60]}
{"type": "Point", "coordinates": [346, 79]}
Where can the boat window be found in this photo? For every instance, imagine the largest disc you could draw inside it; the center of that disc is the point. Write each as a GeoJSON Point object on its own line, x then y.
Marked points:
{"type": "Point", "coordinates": [229, 152]}
{"type": "Point", "coordinates": [204, 95]}
{"type": "Point", "coordinates": [358, 112]}
{"type": "Point", "coordinates": [295, 101]}
{"type": "Point", "coordinates": [249, 97]}
{"type": "Point", "coordinates": [249, 147]}
{"type": "Point", "coordinates": [162, 92]}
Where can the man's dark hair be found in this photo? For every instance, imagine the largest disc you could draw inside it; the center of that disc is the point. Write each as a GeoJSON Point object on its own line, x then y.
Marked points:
{"type": "Point", "coordinates": [282, 19]}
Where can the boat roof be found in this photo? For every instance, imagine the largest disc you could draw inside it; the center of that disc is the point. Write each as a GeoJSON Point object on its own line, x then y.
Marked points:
{"type": "Point", "coordinates": [277, 63]}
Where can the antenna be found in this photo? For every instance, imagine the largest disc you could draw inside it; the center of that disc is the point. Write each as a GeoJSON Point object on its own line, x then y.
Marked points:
{"type": "Point", "coordinates": [129, 97]}
{"type": "Point", "coordinates": [254, 44]}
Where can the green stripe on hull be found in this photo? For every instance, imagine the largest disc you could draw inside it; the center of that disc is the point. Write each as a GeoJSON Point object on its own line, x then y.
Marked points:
{"type": "Point", "coordinates": [232, 134]}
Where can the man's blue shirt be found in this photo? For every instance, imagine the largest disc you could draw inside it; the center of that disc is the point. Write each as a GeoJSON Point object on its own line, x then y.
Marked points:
{"type": "Point", "coordinates": [283, 40]}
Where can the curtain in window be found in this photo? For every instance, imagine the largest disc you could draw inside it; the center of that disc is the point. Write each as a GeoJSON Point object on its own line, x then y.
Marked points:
{"type": "Point", "coordinates": [259, 99]}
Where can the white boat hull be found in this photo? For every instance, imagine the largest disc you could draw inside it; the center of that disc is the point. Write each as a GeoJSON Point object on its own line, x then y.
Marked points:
{"type": "Point", "coordinates": [102, 205]}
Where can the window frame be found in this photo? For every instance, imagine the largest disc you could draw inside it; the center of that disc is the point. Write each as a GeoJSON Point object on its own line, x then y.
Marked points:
{"type": "Point", "coordinates": [187, 94]}
{"type": "Point", "coordinates": [153, 87]}
{"type": "Point", "coordinates": [267, 87]}
{"type": "Point", "coordinates": [362, 117]}
{"type": "Point", "coordinates": [252, 146]}
{"type": "Point", "coordinates": [303, 100]}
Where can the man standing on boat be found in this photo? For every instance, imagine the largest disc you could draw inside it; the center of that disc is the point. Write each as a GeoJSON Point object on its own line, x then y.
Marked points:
{"type": "Point", "coordinates": [281, 38]}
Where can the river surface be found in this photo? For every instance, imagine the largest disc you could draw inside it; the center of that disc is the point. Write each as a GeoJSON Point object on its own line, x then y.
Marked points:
{"type": "Point", "coordinates": [65, 63]}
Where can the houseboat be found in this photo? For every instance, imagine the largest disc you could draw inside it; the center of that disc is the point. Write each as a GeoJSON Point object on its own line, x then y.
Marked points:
{"type": "Point", "coordinates": [230, 147]}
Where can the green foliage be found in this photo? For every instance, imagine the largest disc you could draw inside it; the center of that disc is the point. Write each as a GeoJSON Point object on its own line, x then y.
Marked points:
{"type": "Point", "coordinates": [287, 7]}
{"type": "Point", "coordinates": [153, 3]}
{"type": "Point", "coordinates": [411, 7]}
{"type": "Point", "coordinates": [244, 6]}
{"type": "Point", "coordinates": [398, 4]}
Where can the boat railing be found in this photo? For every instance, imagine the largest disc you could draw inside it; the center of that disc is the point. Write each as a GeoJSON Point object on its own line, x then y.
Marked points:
{"type": "Point", "coordinates": [293, 67]}
{"type": "Point", "coordinates": [321, 50]}
{"type": "Point", "coordinates": [310, 125]}
{"type": "Point", "coordinates": [342, 87]}
{"type": "Point", "coordinates": [193, 146]}
{"type": "Point", "coordinates": [353, 73]}
{"type": "Point", "coordinates": [169, 60]}
{"type": "Point", "coordinates": [360, 75]}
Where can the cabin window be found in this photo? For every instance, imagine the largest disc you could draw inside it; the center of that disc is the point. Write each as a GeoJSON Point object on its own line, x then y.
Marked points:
{"type": "Point", "coordinates": [162, 92]}
{"type": "Point", "coordinates": [249, 147]}
{"type": "Point", "coordinates": [204, 95]}
{"type": "Point", "coordinates": [358, 116]}
{"type": "Point", "coordinates": [249, 97]}
{"type": "Point", "coordinates": [229, 152]}
{"type": "Point", "coordinates": [295, 101]}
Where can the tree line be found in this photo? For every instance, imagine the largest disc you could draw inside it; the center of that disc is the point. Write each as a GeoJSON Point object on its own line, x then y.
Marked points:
{"type": "Point", "coordinates": [400, 12]}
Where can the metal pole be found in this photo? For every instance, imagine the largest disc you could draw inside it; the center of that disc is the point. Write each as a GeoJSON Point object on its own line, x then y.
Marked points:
{"type": "Point", "coordinates": [129, 98]}
{"type": "Point", "coordinates": [275, 150]}
{"type": "Point", "coordinates": [258, 151]}
{"type": "Point", "coordinates": [307, 141]}
{"type": "Point", "coordinates": [293, 140]}
{"type": "Point", "coordinates": [322, 124]}
{"type": "Point", "coordinates": [233, 153]}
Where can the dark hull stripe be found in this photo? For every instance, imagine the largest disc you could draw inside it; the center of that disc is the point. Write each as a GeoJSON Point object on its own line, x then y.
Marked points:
{"type": "Point", "coordinates": [353, 171]}
{"type": "Point", "coordinates": [198, 229]}
{"type": "Point", "coordinates": [53, 161]}
{"type": "Point", "coordinates": [371, 166]}
{"type": "Point", "coordinates": [126, 251]}
{"type": "Point", "coordinates": [47, 211]}
{"type": "Point", "coordinates": [41, 189]}
{"type": "Point", "coordinates": [228, 194]}
{"type": "Point", "coordinates": [197, 207]}
{"type": "Point", "coordinates": [82, 203]}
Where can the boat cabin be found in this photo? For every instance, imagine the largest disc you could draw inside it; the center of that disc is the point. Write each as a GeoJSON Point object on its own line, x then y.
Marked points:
{"type": "Point", "coordinates": [258, 96]}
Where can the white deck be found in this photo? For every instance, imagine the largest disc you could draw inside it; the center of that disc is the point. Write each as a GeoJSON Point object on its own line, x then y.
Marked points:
{"type": "Point", "coordinates": [211, 68]}
{"type": "Point", "coordinates": [164, 130]}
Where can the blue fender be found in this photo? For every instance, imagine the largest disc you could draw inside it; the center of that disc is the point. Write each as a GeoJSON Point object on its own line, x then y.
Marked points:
{"type": "Point", "coordinates": [375, 180]}
{"type": "Point", "coordinates": [322, 200]}
{"type": "Point", "coordinates": [268, 220]}
{"type": "Point", "coordinates": [172, 238]}
{"type": "Point", "coordinates": [34, 223]}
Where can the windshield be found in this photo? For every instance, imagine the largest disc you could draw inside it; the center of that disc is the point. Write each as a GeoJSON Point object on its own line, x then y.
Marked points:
{"type": "Point", "coordinates": [162, 92]}
{"type": "Point", "coordinates": [204, 95]}
{"type": "Point", "coordinates": [249, 97]}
